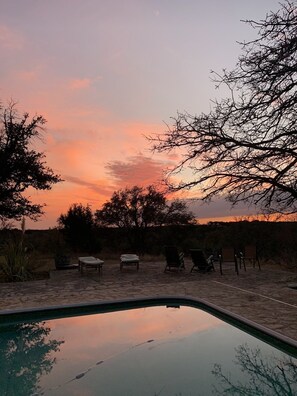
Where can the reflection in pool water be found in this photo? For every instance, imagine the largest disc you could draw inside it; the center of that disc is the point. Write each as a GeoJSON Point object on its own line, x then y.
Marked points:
{"type": "Point", "coordinates": [26, 354]}
{"type": "Point", "coordinates": [145, 351]}
{"type": "Point", "coordinates": [265, 375]}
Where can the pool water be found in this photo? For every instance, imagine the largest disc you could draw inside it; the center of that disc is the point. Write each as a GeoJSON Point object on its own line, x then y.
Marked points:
{"type": "Point", "coordinates": [158, 350]}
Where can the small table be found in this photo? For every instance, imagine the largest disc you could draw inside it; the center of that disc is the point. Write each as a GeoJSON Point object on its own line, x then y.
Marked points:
{"type": "Point", "coordinates": [89, 262]}
{"type": "Point", "coordinates": [129, 259]}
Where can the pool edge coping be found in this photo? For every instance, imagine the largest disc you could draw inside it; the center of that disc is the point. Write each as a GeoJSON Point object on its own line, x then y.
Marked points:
{"type": "Point", "coordinates": [124, 304]}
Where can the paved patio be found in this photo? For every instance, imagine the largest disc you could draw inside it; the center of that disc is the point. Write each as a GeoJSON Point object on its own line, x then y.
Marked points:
{"type": "Point", "coordinates": [261, 296]}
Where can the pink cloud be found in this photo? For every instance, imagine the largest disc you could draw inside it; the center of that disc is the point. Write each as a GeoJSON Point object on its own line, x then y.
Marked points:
{"type": "Point", "coordinates": [10, 39]}
{"type": "Point", "coordinates": [27, 75]}
{"type": "Point", "coordinates": [136, 170]}
{"type": "Point", "coordinates": [78, 145]}
{"type": "Point", "coordinates": [174, 157]}
{"type": "Point", "coordinates": [76, 156]}
{"type": "Point", "coordinates": [77, 84]}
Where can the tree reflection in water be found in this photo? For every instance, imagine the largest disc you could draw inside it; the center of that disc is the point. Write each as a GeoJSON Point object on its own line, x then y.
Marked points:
{"type": "Point", "coordinates": [26, 352]}
{"type": "Point", "coordinates": [265, 376]}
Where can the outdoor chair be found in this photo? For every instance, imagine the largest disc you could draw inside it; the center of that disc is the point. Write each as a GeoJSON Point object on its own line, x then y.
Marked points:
{"type": "Point", "coordinates": [228, 255]}
{"type": "Point", "coordinates": [200, 263]}
{"type": "Point", "coordinates": [174, 259]}
{"type": "Point", "coordinates": [129, 260]}
{"type": "Point", "coordinates": [89, 262]}
{"type": "Point", "coordinates": [62, 262]}
{"type": "Point", "coordinates": [249, 254]}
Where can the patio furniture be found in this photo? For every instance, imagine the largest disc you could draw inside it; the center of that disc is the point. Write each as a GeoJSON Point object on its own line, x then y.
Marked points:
{"type": "Point", "coordinates": [89, 262]}
{"type": "Point", "coordinates": [66, 267]}
{"type": "Point", "coordinates": [174, 259]}
{"type": "Point", "coordinates": [62, 262]}
{"type": "Point", "coordinates": [129, 260]}
{"type": "Point", "coordinates": [200, 263]}
{"type": "Point", "coordinates": [228, 255]}
{"type": "Point", "coordinates": [249, 254]}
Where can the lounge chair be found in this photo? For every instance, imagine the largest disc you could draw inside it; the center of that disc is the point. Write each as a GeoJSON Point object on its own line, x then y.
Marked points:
{"type": "Point", "coordinates": [249, 254]}
{"type": "Point", "coordinates": [66, 267]}
{"type": "Point", "coordinates": [62, 262]}
{"type": "Point", "coordinates": [228, 255]}
{"type": "Point", "coordinates": [200, 263]}
{"type": "Point", "coordinates": [89, 262]}
{"type": "Point", "coordinates": [128, 260]}
{"type": "Point", "coordinates": [174, 259]}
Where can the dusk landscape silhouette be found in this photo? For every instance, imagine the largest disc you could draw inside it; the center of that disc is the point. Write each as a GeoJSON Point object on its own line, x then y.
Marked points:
{"type": "Point", "coordinates": [105, 75]}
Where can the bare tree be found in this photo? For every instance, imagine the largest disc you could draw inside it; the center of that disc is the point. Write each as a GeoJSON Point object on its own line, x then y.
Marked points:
{"type": "Point", "coordinates": [246, 147]}
{"type": "Point", "coordinates": [264, 375]}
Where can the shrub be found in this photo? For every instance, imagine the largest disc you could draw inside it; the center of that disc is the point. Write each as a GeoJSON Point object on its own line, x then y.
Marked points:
{"type": "Point", "coordinates": [15, 265]}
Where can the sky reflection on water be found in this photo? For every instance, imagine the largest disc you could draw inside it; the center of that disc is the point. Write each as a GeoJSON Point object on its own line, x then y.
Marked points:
{"type": "Point", "coordinates": [145, 351]}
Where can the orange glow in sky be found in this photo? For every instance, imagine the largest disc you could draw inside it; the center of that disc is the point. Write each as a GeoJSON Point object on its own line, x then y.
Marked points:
{"type": "Point", "coordinates": [105, 74]}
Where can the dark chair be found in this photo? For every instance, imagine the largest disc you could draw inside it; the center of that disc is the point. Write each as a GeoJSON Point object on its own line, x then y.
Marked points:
{"type": "Point", "coordinates": [174, 259]}
{"type": "Point", "coordinates": [62, 262]}
{"type": "Point", "coordinates": [228, 255]}
{"type": "Point", "coordinates": [200, 263]}
{"type": "Point", "coordinates": [249, 254]}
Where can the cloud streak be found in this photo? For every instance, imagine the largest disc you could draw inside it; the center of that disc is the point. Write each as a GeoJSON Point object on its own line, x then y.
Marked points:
{"type": "Point", "coordinates": [137, 170]}
{"type": "Point", "coordinates": [77, 84]}
{"type": "Point", "coordinates": [99, 187]}
{"type": "Point", "coordinates": [218, 208]}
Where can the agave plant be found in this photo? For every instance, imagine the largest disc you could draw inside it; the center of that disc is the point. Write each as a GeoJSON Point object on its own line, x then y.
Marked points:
{"type": "Point", "coordinates": [16, 261]}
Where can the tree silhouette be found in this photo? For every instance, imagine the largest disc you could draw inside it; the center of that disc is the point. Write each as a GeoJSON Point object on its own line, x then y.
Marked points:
{"type": "Point", "coordinates": [265, 376]}
{"type": "Point", "coordinates": [21, 167]}
{"type": "Point", "coordinates": [26, 352]}
{"type": "Point", "coordinates": [140, 207]}
{"type": "Point", "coordinates": [136, 209]}
{"type": "Point", "coordinates": [245, 148]}
{"type": "Point", "coordinates": [78, 228]}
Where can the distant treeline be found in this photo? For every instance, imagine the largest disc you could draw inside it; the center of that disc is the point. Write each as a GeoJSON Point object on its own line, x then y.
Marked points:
{"type": "Point", "coordinates": [274, 240]}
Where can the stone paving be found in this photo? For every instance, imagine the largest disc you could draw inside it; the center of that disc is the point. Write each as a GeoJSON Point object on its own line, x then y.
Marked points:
{"type": "Point", "coordinates": [261, 296]}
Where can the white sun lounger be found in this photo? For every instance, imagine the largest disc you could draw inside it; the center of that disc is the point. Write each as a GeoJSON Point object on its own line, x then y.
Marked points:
{"type": "Point", "coordinates": [129, 259]}
{"type": "Point", "coordinates": [89, 262]}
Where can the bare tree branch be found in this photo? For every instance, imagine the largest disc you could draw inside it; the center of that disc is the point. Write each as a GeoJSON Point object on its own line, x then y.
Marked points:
{"type": "Point", "coordinates": [246, 147]}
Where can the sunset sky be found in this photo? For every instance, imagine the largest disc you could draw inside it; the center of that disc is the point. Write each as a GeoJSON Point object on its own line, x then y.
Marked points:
{"type": "Point", "coordinates": [104, 73]}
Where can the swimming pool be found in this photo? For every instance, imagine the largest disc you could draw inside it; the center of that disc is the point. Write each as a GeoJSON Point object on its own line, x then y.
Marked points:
{"type": "Point", "coordinates": [166, 346]}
